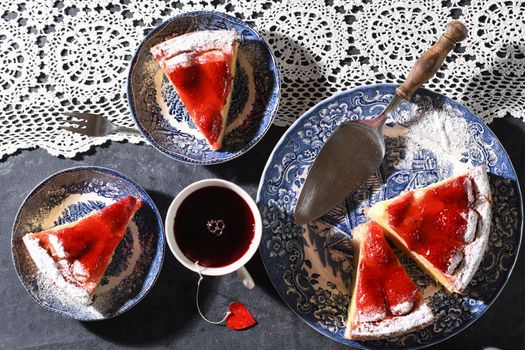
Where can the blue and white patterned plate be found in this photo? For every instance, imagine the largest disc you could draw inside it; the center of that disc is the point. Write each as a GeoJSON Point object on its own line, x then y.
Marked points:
{"type": "Point", "coordinates": [311, 267]}
{"type": "Point", "coordinates": [69, 195]}
{"type": "Point", "coordinates": [163, 119]}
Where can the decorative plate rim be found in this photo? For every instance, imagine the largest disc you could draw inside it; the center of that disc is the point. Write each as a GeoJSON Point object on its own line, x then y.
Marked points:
{"type": "Point", "coordinates": [160, 243]}
{"type": "Point", "coordinates": [328, 100]}
{"type": "Point", "coordinates": [182, 157]}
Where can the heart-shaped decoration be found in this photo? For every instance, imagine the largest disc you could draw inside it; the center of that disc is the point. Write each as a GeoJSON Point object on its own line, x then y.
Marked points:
{"type": "Point", "coordinates": [239, 317]}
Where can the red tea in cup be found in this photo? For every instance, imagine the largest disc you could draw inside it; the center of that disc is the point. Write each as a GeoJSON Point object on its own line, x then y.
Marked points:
{"type": "Point", "coordinates": [214, 226]}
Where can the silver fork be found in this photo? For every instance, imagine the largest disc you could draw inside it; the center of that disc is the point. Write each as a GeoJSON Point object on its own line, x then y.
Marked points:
{"type": "Point", "coordinates": [93, 125]}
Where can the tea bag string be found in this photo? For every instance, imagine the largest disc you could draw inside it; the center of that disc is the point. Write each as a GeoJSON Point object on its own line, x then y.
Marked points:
{"type": "Point", "coordinates": [197, 299]}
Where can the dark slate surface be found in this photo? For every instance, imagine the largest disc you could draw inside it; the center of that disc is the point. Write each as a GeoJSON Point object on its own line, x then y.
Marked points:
{"type": "Point", "coordinates": [167, 316]}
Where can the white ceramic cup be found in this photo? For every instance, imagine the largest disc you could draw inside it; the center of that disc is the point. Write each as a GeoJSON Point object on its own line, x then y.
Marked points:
{"type": "Point", "coordinates": [238, 265]}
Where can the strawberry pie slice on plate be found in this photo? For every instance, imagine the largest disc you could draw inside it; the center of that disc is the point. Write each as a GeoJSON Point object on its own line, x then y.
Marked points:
{"type": "Point", "coordinates": [88, 243]}
{"type": "Point", "coordinates": [385, 300]}
{"type": "Point", "coordinates": [203, 87]}
{"type": "Point", "coordinates": [81, 251]}
{"type": "Point", "coordinates": [201, 67]}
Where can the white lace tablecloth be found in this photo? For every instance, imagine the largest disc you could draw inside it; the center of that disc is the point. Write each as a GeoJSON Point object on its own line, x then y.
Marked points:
{"type": "Point", "coordinates": [69, 55]}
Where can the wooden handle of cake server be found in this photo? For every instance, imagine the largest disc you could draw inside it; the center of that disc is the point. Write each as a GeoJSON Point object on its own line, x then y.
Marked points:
{"type": "Point", "coordinates": [428, 64]}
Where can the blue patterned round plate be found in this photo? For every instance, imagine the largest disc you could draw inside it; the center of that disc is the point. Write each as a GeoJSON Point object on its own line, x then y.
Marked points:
{"type": "Point", "coordinates": [163, 119]}
{"type": "Point", "coordinates": [311, 266]}
{"type": "Point", "coordinates": [69, 195]}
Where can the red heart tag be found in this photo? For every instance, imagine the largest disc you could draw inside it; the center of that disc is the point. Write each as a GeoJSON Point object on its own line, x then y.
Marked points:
{"type": "Point", "coordinates": [239, 317]}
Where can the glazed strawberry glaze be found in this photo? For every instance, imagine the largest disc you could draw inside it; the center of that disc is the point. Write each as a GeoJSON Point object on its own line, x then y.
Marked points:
{"type": "Point", "coordinates": [383, 282]}
{"type": "Point", "coordinates": [89, 244]}
{"type": "Point", "coordinates": [203, 87]}
{"type": "Point", "coordinates": [433, 225]}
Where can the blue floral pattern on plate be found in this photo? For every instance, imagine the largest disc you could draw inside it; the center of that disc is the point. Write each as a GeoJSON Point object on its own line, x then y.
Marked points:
{"type": "Point", "coordinates": [255, 96]}
{"type": "Point", "coordinates": [69, 195]}
{"type": "Point", "coordinates": [311, 267]}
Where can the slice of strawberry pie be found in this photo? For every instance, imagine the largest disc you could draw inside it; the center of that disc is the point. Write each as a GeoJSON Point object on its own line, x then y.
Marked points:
{"type": "Point", "coordinates": [80, 252]}
{"type": "Point", "coordinates": [444, 227]}
{"type": "Point", "coordinates": [385, 300]}
{"type": "Point", "coordinates": [201, 67]}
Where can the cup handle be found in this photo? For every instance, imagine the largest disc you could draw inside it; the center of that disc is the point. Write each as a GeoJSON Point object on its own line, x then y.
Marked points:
{"type": "Point", "coordinates": [245, 277]}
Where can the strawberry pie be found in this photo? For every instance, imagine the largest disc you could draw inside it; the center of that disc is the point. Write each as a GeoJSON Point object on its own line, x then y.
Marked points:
{"type": "Point", "coordinates": [385, 300]}
{"type": "Point", "coordinates": [201, 67]}
{"type": "Point", "coordinates": [80, 252]}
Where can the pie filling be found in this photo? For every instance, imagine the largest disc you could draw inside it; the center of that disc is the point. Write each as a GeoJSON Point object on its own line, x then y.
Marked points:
{"type": "Point", "coordinates": [438, 223]}
{"type": "Point", "coordinates": [204, 87]}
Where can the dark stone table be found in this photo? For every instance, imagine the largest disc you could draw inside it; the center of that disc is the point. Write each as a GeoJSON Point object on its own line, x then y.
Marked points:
{"type": "Point", "coordinates": [167, 317]}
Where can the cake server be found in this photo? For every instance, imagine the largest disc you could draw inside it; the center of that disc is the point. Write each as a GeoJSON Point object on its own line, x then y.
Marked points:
{"type": "Point", "coordinates": [356, 149]}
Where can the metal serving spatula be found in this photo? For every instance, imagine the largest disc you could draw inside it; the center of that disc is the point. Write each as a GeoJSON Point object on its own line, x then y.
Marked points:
{"type": "Point", "coordinates": [356, 148]}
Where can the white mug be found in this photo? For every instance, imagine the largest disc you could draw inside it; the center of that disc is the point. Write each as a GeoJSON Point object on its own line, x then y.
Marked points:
{"type": "Point", "coordinates": [238, 265]}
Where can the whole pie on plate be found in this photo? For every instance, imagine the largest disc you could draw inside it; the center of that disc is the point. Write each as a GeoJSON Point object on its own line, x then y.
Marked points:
{"type": "Point", "coordinates": [201, 67]}
{"type": "Point", "coordinates": [80, 252]}
{"type": "Point", "coordinates": [444, 227]}
{"type": "Point", "coordinates": [385, 300]}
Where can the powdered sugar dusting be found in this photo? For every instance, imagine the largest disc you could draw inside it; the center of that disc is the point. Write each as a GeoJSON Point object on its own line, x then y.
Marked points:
{"type": "Point", "coordinates": [370, 315]}
{"type": "Point", "coordinates": [179, 49]}
{"type": "Point", "coordinates": [475, 250]}
{"type": "Point", "coordinates": [402, 308]}
{"type": "Point", "coordinates": [454, 262]}
{"type": "Point", "coordinates": [49, 279]}
{"type": "Point", "coordinates": [440, 130]}
{"type": "Point", "coordinates": [472, 225]}
{"type": "Point", "coordinates": [391, 327]}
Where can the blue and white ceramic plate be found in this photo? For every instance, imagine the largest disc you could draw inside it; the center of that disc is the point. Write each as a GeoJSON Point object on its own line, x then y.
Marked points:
{"type": "Point", "coordinates": [163, 119]}
{"type": "Point", "coordinates": [69, 195]}
{"type": "Point", "coordinates": [311, 266]}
